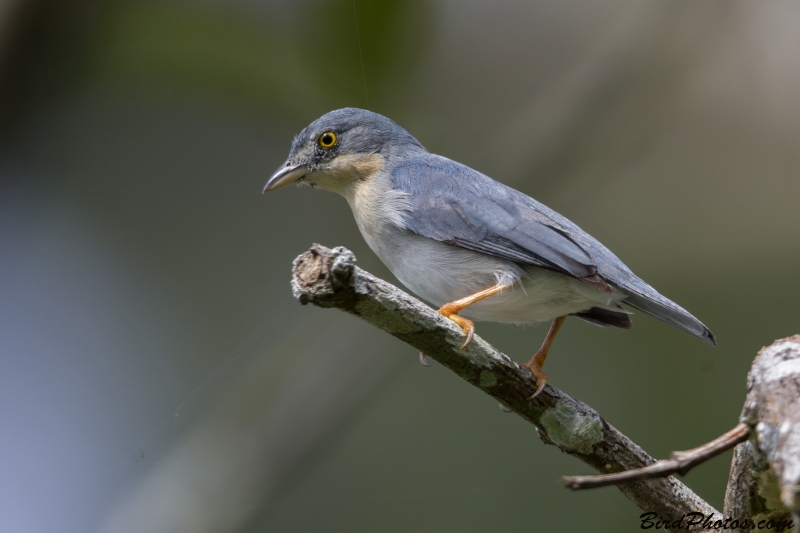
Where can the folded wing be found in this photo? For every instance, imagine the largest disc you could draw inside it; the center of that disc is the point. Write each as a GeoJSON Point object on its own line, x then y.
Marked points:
{"type": "Point", "coordinates": [455, 204]}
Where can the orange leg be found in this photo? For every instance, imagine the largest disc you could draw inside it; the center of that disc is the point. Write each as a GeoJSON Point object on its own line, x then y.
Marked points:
{"type": "Point", "coordinates": [536, 362]}
{"type": "Point", "coordinates": [451, 310]}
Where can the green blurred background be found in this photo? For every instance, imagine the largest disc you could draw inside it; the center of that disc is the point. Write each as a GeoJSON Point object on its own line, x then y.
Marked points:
{"type": "Point", "coordinates": [157, 375]}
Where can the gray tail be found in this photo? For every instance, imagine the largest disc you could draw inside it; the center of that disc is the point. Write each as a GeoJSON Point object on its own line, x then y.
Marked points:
{"type": "Point", "coordinates": [671, 313]}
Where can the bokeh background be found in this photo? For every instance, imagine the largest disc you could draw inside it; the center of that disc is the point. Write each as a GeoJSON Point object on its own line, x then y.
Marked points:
{"type": "Point", "coordinates": [157, 375]}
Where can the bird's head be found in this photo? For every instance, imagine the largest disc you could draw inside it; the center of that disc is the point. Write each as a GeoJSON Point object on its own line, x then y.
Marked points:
{"type": "Point", "coordinates": [342, 147]}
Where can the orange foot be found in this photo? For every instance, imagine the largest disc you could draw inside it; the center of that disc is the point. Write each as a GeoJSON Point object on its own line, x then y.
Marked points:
{"type": "Point", "coordinates": [536, 362]}
{"type": "Point", "coordinates": [451, 310]}
{"type": "Point", "coordinates": [536, 369]}
{"type": "Point", "coordinates": [467, 326]}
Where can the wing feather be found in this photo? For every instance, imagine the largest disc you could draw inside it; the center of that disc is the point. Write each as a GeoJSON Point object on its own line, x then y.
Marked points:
{"type": "Point", "coordinates": [454, 204]}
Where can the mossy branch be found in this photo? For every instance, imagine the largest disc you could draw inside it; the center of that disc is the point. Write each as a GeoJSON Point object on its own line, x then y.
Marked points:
{"type": "Point", "coordinates": [329, 278]}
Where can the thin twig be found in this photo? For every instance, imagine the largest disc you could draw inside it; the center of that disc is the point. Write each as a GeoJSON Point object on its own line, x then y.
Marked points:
{"type": "Point", "coordinates": [678, 463]}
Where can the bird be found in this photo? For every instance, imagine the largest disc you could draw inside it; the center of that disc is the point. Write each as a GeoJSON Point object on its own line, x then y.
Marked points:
{"type": "Point", "coordinates": [477, 249]}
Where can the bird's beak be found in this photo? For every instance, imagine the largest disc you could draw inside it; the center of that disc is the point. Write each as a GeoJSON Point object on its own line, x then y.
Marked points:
{"type": "Point", "coordinates": [286, 175]}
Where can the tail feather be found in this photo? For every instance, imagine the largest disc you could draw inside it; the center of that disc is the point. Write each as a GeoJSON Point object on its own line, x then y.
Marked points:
{"type": "Point", "coordinates": [671, 313]}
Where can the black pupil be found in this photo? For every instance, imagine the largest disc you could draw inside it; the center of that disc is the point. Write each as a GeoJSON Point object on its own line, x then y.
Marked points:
{"type": "Point", "coordinates": [327, 139]}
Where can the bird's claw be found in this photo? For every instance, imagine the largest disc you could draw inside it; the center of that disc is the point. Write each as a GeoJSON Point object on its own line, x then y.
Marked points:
{"type": "Point", "coordinates": [538, 373]}
{"type": "Point", "coordinates": [423, 360]}
{"type": "Point", "coordinates": [470, 331]}
{"type": "Point", "coordinates": [539, 389]}
{"type": "Point", "coordinates": [467, 326]}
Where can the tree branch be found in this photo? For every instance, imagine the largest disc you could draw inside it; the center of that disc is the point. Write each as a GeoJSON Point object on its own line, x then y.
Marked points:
{"type": "Point", "coordinates": [329, 278]}
{"type": "Point", "coordinates": [764, 482]}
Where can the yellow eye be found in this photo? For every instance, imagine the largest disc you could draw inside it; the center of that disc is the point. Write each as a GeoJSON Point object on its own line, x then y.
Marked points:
{"type": "Point", "coordinates": [327, 139]}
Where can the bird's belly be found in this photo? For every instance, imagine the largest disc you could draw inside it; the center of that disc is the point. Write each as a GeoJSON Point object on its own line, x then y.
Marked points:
{"type": "Point", "coordinates": [441, 273]}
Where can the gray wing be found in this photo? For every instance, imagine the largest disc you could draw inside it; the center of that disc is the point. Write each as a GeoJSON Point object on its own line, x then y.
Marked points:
{"type": "Point", "coordinates": [455, 204]}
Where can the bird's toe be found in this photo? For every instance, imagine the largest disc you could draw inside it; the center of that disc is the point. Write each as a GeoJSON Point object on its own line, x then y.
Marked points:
{"type": "Point", "coordinates": [538, 373]}
{"type": "Point", "coordinates": [467, 325]}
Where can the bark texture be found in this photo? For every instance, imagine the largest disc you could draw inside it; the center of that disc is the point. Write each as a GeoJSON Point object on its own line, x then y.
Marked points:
{"type": "Point", "coordinates": [764, 482]}
{"type": "Point", "coordinates": [329, 278]}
